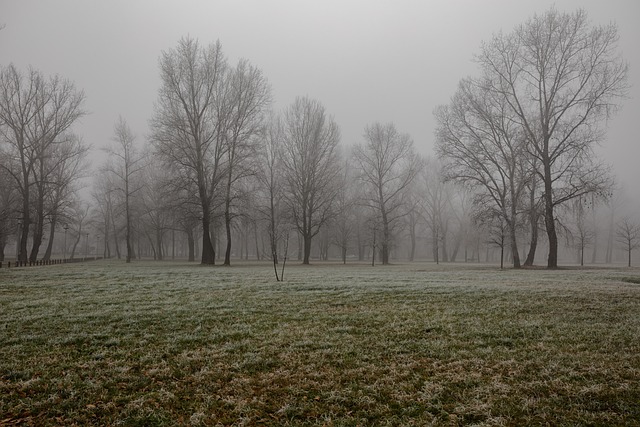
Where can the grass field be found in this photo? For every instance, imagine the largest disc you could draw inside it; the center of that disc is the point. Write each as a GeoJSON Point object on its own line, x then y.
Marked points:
{"type": "Point", "coordinates": [146, 344]}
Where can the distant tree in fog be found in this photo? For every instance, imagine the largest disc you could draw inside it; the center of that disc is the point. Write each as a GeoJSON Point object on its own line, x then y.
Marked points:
{"type": "Point", "coordinates": [343, 226]}
{"type": "Point", "coordinates": [311, 167]}
{"type": "Point", "coordinates": [581, 233]}
{"type": "Point", "coordinates": [103, 210]}
{"type": "Point", "coordinates": [436, 204]}
{"type": "Point", "coordinates": [156, 205]}
{"type": "Point", "coordinates": [615, 204]}
{"type": "Point", "coordinates": [124, 166]}
{"type": "Point", "coordinates": [271, 183]}
{"type": "Point", "coordinates": [495, 226]}
{"type": "Point", "coordinates": [386, 165]}
{"type": "Point", "coordinates": [628, 235]}
{"type": "Point", "coordinates": [561, 79]}
{"type": "Point", "coordinates": [77, 225]}
{"type": "Point", "coordinates": [67, 164]}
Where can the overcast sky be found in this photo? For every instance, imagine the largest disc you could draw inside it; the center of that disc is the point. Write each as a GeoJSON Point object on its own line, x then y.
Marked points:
{"type": "Point", "coordinates": [366, 61]}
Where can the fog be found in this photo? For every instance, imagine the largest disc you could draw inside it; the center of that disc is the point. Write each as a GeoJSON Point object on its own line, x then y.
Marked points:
{"type": "Point", "coordinates": [366, 61]}
{"type": "Point", "coordinates": [383, 61]}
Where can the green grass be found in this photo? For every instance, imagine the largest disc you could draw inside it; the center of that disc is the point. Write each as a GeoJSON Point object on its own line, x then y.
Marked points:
{"type": "Point", "coordinates": [154, 344]}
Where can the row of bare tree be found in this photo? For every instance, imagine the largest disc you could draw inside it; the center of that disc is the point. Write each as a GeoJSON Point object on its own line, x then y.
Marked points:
{"type": "Point", "coordinates": [515, 149]}
{"type": "Point", "coordinates": [40, 157]}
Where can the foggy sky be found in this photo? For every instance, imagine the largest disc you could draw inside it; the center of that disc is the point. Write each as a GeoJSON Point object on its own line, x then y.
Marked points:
{"type": "Point", "coordinates": [366, 61]}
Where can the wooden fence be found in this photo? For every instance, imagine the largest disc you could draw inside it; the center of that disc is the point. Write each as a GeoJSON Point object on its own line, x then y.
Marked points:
{"type": "Point", "coordinates": [41, 262]}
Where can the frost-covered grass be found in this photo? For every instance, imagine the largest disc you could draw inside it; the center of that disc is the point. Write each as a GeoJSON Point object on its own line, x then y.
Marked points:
{"type": "Point", "coordinates": [107, 343]}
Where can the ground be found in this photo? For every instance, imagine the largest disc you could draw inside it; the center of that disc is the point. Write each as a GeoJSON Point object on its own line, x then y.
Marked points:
{"type": "Point", "coordinates": [150, 343]}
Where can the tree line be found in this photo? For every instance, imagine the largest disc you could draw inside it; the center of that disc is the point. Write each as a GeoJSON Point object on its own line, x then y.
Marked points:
{"type": "Point", "coordinates": [514, 158]}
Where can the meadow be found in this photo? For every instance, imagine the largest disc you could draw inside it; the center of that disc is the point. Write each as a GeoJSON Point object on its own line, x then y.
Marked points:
{"type": "Point", "coordinates": [155, 344]}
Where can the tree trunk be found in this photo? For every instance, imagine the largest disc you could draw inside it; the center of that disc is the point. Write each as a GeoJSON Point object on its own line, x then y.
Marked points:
{"type": "Point", "coordinates": [534, 243]}
{"type": "Point", "coordinates": [307, 248]}
{"type": "Point", "coordinates": [456, 248]}
{"type": "Point", "coordinates": [552, 260]}
{"type": "Point", "coordinates": [444, 251]}
{"type": "Point", "coordinates": [384, 253]}
{"type": "Point", "coordinates": [246, 243]}
{"type": "Point", "coordinates": [386, 235]}
{"type": "Point", "coordinates": [191, 243]}
{"type": "Point", "coordinates": [227, 225]}
{"type": "Point", "coordinates": [3, 243]}
{"type": "Point", "coordinates": [153, 248]}
{"type": "Point", "coordinates": [533, 221]}
{"type": "Point", "coordinates": [128, 216]}
{"type": "Point", "coordinates": [115, 237]}
{"type": "Point", "coordinates": [75, 244]}
{"type": "Point", "coordinates": [52, 232]}
{"type": "Point", "coordinates": [208, 253]}
{"type": "Point", "coordinates": [373, 250]}
{"type": "Point", "coordinates": [159, 244]}
{"type": "Point", "coordinates": [412, 251]}
{"type": "Point", "coordinates": [595, 231]}
{"type": "Point", "coordinates": [107, 247]}
{"type": "Point", "coordinates": [38, 231]}
{"type": "Point", "coordinates": [255, 235]}
{"type": "Point", "coordinates": [514, 244]}
{"type": "Point", "coordinates": [435, 246]}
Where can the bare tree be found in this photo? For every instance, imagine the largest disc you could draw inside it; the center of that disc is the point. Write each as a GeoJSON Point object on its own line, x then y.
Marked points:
{"type": "Point", "coordinates": [343, 225]}
{"type": "Point", "coordinates": [186, 127]}
{"type": "Point", "coordinates": [77, 223]}
{"type": "Point", "coordinates": [125, 166]}
{"type": "Point", "coordinates": [628, 234]}
{"type": "Point", "coordinates": [246, 94]}
{"type": "Point", "coordinates": [615, 204]}
{"type": "Point", "coordinates": [483, 148]}
{"type": "Point", "coordinates": [496, 228]}
{"type": "Point", "coordinates": [461, 204]}
{"type": "Point", "coordinates": [387, 165]}
{"type": "Point", "coordinates": [413, 222]}
{"type": "Point", "coordinates": [436, 208]}
{"type": "Point", "coordinates": [581, 234]}
{"type": "Point", "coordinates": [156, 205]}
{"type": "Point", "coordinates": [66, 166]}
{"type": "Point", "coordinates": [562, 78]}
{"type": "Point", "coordinates": [310, 165]}
{"type": "Point", "coordinates": [34, 113]}
{"type": "Point", "coordinates": [271, 182]}
{"type": "Point", "coordinates": [105, 205]}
